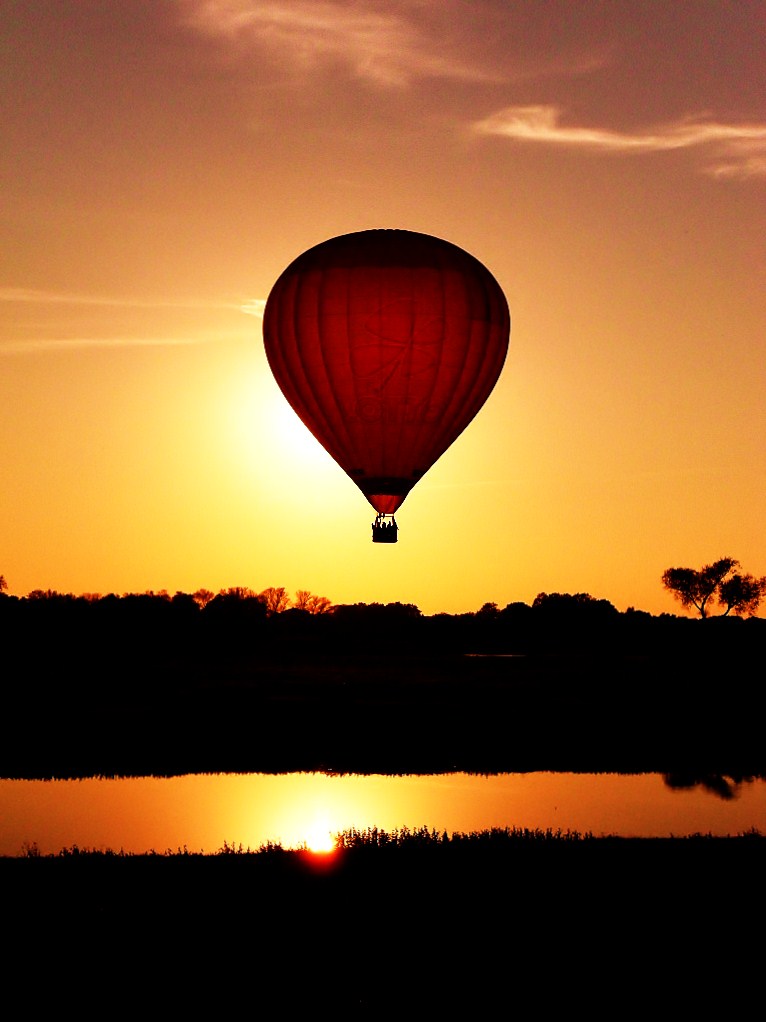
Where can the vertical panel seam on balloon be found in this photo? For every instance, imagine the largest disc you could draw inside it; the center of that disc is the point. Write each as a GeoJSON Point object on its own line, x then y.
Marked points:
{"type": "Point", "coordinates": [338, 429]}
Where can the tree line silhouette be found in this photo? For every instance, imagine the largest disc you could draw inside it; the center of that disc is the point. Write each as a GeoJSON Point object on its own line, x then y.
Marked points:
{"type": "Point", "coordinates": [241, 681]}
{"type": "Point", "coordinates": [202, 627]}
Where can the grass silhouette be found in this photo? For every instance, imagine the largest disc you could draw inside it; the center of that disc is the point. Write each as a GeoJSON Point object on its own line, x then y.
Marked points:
{"type": "Point", "coordinates": [396, 922]}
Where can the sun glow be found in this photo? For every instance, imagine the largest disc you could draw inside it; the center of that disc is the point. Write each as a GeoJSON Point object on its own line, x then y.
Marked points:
{"type": "Point", "coordinates": [319, 838]}
{"type": "Point", "coordinates": [265, 432]}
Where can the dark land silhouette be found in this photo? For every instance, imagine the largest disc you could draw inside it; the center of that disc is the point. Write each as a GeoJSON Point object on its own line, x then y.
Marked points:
{"type": "Point", "coordinates": [404, 923]}
{"type": "Point", "coordinates": [153, 684]}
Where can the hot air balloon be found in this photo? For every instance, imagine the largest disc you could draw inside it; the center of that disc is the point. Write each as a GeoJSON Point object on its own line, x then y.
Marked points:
{"type": "Point", "coordinates": [386, 343]}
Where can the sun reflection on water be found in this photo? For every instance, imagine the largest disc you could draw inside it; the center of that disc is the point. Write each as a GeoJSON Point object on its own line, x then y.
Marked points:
{"type": "Point", "coordinates": [319, 838]}
{"type": "Point", "coordinates": [307, 811]}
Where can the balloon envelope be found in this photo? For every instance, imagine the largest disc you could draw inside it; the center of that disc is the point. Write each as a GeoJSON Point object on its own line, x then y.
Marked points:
{"type": "Point", "coordinates": [386, 343]}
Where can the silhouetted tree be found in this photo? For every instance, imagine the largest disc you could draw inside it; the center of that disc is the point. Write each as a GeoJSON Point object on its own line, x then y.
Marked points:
{"type": "Point", "coordinates": [574, 607]}
{"type": "Point", "coordinates": [570, 620]}
{"type": "Point", "coordinates": [741, 594]}
{"type": "Point", "coordinates": [377, 612]}
{"type": "Point", "coordinates": [305, 600]}
{"type": "Point", "coordinates": [516, 611]}
{"type": "Point", "coordinates": [384, 625]}
{"type": "Point", "coordinates": [184, 604]}
{"type": "Point", "coordinates": [238, 593]}
{"type": "Point", "coordinates": [232, 620]}
{"type": "Point", "coordinates": [716, 582]}
{"type": "Point", "coordinates": [517, 623]}
{"type": "Point", "coordinates": [485, 625]}
{"type": "Point", "coordinates": [275, 599]}
{"type": "Point", "coordinates": [3, 584]}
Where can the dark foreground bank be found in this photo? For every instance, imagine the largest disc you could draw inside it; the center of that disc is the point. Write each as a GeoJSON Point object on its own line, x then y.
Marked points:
{"type": "Point", "coordinates": [500, 921]}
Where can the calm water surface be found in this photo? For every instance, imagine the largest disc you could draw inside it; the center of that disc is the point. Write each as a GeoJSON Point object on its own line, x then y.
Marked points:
{"type": "Point", "coordinates": [204, 812]}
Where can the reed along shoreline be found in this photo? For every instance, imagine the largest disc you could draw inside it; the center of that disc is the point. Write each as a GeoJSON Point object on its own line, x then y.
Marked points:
{"type": "Point", "coordinates": [484, 921]}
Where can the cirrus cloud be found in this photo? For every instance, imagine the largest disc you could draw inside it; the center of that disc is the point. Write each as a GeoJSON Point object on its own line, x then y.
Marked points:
{"type": "Point", "coordinates": [36, 296]}
{"type": "Point", "coordinates": [739, 150]}
{"type": "Point", "coordinates": [382, 44]}
{"type": "Point", "coordinates": [42, 299]}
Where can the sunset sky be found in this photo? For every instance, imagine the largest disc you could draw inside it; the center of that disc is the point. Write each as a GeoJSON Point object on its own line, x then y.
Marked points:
{"type": "Point", "coordinates": [162, 161]}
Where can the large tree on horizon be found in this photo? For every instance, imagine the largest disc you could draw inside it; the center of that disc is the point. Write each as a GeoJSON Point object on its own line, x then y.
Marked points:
{"type": "Point", "coordinates": [717, 582]}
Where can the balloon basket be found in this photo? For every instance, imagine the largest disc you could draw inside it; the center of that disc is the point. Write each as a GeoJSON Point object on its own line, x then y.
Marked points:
{"type": "Point", "coordinates": [384, 529]}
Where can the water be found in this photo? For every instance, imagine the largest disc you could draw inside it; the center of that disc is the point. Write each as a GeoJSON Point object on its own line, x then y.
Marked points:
{"type": "Point", "coordinates": [205, 812]}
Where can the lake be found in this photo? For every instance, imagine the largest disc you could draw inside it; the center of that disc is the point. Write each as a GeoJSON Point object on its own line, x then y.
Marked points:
{"type": "Point", "coordinates": [206, 812]}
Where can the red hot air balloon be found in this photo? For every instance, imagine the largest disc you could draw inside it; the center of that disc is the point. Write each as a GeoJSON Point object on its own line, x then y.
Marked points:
{"type": "Point", "coordinates": [386, 343]}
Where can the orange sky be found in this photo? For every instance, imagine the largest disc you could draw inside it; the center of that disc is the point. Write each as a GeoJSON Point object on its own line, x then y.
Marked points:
{"type": "Point", "coordinates": [162, 162]}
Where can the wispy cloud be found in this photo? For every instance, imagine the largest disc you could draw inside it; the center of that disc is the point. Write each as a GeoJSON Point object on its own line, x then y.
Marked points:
{"type": "Point", "coordinates": [63, 344]}
{"type": "Point", "coordinates": [41, 299]}
{"type": "Point", "coordinates": [35, 296]}
{"type": "Point", "coordinates": [738, 150]}
{"type": "Point", "coordinates": [380, 43]}
{"type": "Point", "coordinates": [254, 307]}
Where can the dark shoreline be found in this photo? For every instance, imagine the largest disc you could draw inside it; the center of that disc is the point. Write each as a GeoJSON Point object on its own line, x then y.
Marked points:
{"type": "Point", "coordinates": [482, 924]}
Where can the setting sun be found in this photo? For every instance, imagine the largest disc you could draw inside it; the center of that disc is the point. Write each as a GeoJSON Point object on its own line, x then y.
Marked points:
{"type": "Point", "coordinates": [320, 841]}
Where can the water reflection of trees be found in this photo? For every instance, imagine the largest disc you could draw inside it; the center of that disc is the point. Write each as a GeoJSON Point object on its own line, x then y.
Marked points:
{"type": "Point", "coordinates": [725, 786]}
